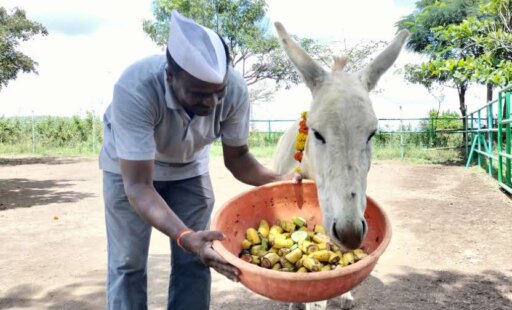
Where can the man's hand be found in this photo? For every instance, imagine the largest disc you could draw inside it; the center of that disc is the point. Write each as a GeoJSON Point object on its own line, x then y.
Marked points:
{"type": "Point", "coordinates": [200, 243]}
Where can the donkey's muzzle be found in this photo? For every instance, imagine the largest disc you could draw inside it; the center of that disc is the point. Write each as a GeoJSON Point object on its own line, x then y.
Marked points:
{"type": "Point", "coordinates": [351, 235]}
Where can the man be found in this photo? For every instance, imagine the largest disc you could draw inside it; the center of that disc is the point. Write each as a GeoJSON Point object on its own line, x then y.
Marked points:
{"type": "Point", "coordinates": [165, 113]}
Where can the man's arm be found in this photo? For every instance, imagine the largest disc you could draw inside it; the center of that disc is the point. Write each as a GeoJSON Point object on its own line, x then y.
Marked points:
{"type": "Point", "coordinates": [246, 168]}
{"type": "Point", "coordinates": [138, 185]}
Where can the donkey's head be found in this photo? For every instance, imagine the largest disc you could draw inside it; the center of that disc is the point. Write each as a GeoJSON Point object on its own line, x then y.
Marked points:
{"type": "Point", "coordinates": [341, 122]}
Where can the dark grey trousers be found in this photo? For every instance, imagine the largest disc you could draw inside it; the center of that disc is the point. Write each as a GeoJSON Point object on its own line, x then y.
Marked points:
{"type": "Point", "coordinates": [128, 243]}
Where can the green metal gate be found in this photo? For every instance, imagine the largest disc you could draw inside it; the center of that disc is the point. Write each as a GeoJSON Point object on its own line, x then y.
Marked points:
{"type": "Point", "coordinates": [504, 153]}
{"type": "Point", "coordinates": [493, 118]}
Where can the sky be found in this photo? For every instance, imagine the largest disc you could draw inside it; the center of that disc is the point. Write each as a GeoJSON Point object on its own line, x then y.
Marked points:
{"type": "Point", "coordinates": [92, 42]}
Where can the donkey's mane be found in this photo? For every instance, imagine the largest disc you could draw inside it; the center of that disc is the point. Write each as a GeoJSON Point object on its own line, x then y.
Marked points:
{"type": "Point", "coordinates": [339, 63]}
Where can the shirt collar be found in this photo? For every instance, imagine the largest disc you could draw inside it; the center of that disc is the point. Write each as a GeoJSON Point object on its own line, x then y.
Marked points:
{"type": "Point", "coordinates": [169, 97]}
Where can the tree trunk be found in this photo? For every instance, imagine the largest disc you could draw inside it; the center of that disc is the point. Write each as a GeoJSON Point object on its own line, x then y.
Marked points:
{"type": "Point", "coordinates": [463, 110]}
{"type": "Point", "coordinates": [489, 92]}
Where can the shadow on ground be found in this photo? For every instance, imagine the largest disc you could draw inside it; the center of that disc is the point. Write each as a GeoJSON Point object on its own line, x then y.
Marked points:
{"type": "Point", "coordinates": [87, 293]}
{"type": "Point", "coordinates": [436, 290]}
{"type": "Point", "coordinates": [45, 160]}
{"type": "Point", "coordinates": [414, 289]}
{"type": "Point", "coordinates": [26, 193]}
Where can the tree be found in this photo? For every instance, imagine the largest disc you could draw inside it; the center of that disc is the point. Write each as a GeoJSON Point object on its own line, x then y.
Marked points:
{"type": "Point", "coordinates": [441, 127]}
{"type": "Point", "coordinates": [14, 28]}
{"type": "Point", "coordinates": [488, 37]}
{"type": "Point", "coordinates": [255, 52]}
{"type": "Point", "coordinates": [498, 28]}
{"type": "Point", "coordinates": [451, 63]}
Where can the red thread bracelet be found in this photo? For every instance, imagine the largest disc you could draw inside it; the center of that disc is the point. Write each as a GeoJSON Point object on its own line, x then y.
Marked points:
{"type": "Point", "coordinates": [181, 234]}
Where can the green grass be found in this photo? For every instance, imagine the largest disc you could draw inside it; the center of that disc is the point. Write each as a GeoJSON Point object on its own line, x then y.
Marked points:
{"type": "Point", "coordinates": [265, 151]}
{"type": "Point", "coordinates": [418, 155]}
{"type": "Point", "coordinates": [26, 149]}
{"type": "Point", "coordinates": [262, 151]}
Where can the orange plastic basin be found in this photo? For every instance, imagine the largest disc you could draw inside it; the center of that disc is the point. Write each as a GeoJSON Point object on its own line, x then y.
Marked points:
{"type": "Point", "coordinates": [282, 200]}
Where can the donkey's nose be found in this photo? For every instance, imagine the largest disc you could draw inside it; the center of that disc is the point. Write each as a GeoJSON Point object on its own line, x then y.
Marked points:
{"type": "Point", "coordinates": [352, 235]}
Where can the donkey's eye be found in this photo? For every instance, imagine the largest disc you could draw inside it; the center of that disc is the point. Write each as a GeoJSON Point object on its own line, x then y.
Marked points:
{"type": "Point", "coordinates": [371, 136]}
{"type": "Point", "coordinates": [319, 136]}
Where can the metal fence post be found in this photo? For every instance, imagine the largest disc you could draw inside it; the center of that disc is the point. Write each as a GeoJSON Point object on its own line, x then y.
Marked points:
{"type": "Point", "coordinates": [93, 133]}
{"type": "Point", "coordinates": [269, 130]}
{"type": "Point", "coordinates": [401, 135]}
{"type": "Point", "coordinates": [33, 134]}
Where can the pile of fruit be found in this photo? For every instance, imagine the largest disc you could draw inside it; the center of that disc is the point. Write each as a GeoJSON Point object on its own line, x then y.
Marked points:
{"type": "Point", "coordinates": [290, 246]}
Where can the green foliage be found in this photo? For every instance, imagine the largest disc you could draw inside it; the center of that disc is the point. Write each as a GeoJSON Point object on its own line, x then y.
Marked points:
{"type": "Point", "coordinates": [441, 128]}
{"type": "Point", "coordinates": [255, 52]}
{"type": "Point", "coordinates": [482, 41]}
{"type": "Point", "coordinates": [466, 41]}
{"type": "Point", "coordinates": [14, 28]}
{"type": "Point", "coordinates": [430, 14]}
{"type": "Point", "coordinates": [458, 71]}
{"type": "Point", "coordinates": [73, 134]}
{"type": "Point", "coordinates": [243, 24]}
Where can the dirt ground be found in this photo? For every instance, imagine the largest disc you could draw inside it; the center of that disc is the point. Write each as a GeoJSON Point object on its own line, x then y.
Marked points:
{"type": "Point", "coordinates": [452, 230]}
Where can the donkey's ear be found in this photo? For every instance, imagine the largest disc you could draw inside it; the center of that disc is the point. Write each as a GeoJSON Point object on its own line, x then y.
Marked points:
{"type": "Point", "coordinates": [311, 72]}
{"type": "Point", "coordinates": [371, 74]}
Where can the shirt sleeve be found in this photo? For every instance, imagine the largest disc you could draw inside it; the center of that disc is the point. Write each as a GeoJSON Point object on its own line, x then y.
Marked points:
{"type": "Point", "coordinates": [132, 126]}
{"type": "Point", "coordinates": [235, 129]}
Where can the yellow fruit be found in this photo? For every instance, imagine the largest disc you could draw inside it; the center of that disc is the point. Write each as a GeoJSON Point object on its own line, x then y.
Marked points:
{"type": "Point", "coordinates": [326, 268]}
{"type": "Point", "coordinates": [289, 246]}
{"type": "Point", "coordinates": [269, 260]}
{"type": "Point", "coordinates": [319, 229]}
{"type": "Point", "coordinates": [299, 263]}
{"type": "Point", "coordinates": [255, 249]}
{"type": "Point", "coordinates": [286, 264]}
{"type": "Point", "coordinates": [246, 244]}
{"type": "Point", "coordinates": [282, 243]}
{"type": "Point", "coordinates": [283, 251]}
{"type": "Point", "coordinates": [309, 247]}
{"type": "Point", "coordinates": [294, 256]}
{"type": "Point", "coordinates": [255, 260]}
{"type": "Point", "coordinates": [334, 247]}
{"type": "Point", "coordinates": [320, 238]}
{"type": "Point", "coordinates": [276, 267]}
{"type": "Point", "coordinates": [252, 236]}
{"type": "Point", "coordinates": [264, 229]}
{"type": "Point", "coordinates": [288, 226]}
{"type": "Point", "coordinates": [299, 221]}
{"type": "Point", "coordinates": [359, 254]}
{"type": "Point", "coordinates": [334, 258]}
{"type": "Point", "coordinates": [275, 229]}
{"type": "Point", "coordinates": [348, 258]}
{"type": "Point", "coordinates": [321, 256]}
{"type": "Point", "coordinates": [324, 246]}
{"type": "Point", "coordinates": [311, 264]}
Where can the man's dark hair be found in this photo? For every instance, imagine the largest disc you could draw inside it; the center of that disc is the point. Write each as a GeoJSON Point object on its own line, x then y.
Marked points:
{"type": "Point", "coordinates": [173, 68]}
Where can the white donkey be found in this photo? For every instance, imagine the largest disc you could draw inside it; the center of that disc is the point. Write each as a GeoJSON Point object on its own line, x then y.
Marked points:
{"type": "Point", "coordinates": [337, 152]}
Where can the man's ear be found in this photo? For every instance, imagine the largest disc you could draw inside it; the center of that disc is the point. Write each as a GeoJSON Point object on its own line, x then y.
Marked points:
{"type": "Point", "coordinates": [168, 75]}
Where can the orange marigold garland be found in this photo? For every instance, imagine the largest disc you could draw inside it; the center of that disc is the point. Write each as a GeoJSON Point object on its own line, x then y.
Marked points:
{"type": "Point", "coordinates": [300, 141]}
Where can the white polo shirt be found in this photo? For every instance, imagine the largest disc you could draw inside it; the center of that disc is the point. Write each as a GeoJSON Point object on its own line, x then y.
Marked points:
{"type": "Point", "coordinates": [144, 122]}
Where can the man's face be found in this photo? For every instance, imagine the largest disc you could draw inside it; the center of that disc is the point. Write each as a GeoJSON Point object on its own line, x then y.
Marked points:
{"type": "Point", "coordinates": [195, 95]}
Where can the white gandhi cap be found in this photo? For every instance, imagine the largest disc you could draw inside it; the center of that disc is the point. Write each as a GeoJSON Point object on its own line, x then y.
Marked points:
{"type": "Point", "coordinates": [196, 49]}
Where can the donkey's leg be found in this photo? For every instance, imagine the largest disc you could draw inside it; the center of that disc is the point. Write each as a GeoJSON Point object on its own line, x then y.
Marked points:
{"type": "Point", "coordinates": [296, 307]}
{"type": "Point", "coordinates": [318, 305]}
{"type": "Point", "coordinates": [346, 301]}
